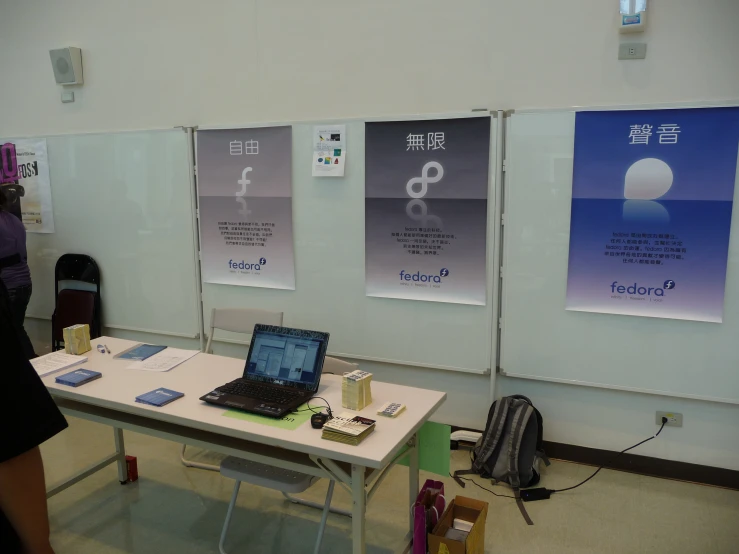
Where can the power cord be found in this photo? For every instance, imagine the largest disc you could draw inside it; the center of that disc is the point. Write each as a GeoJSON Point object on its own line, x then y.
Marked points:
{"type": "Point", "coordinates": [483, 488]}
{"type": "Point", "coordinates": [313, 408]}
{"type": "Point", "coordinates": [541, 493]}
{"type": "Point", "coordinates": [664, 422]}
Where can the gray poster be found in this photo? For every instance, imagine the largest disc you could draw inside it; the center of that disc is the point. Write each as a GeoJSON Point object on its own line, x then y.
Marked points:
{"type": "Point", "coordinates": [426, 190]}
{"type": "Point", "coordinates": [245, 202]}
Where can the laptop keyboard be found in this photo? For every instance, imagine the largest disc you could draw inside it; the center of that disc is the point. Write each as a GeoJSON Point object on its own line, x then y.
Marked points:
{"type": "Point", "coordinates": [260, 392]}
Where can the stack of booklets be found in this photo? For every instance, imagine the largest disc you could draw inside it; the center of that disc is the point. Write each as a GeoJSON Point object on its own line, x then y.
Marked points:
{"type": "Point", "coordinates": [159, 397]}
{"type": "Point", "coordinates": [356, 390]}
{"type": "Point", "coordinates": [140, 352]}
{"type": "Point", "coordinates": [78, 378]}
{"type": "Point", "coordinates": [348, 429]}
{"type": "Point", "coordinates": [77, 339]}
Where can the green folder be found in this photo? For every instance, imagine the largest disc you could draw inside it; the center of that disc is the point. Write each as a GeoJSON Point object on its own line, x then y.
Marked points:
{"type": "Point", "coordinates": [434, 454]}
{"type": "Point", "coordinates": [290, 421]}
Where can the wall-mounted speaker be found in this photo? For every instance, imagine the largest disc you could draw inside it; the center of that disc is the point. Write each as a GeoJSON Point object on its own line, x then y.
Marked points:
{"type": "Point", "coordinates": [67, 65]}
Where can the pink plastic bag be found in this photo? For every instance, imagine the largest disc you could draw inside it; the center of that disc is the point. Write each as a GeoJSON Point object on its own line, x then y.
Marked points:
{"type": "Point", "coordinates": [426, 511]}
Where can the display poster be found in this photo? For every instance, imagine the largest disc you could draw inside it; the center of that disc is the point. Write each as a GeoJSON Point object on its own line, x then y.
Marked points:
{"type": "Point", "coordinates": [329, 150]}
{"type": "Point", "coordinates": [245, 206]}
{"type": "Point", "coordinates": [652, 196]}
{"type": "Point", "coordinates": [426, 191]}
{"type": "Point", "coordinates": [24, 177]}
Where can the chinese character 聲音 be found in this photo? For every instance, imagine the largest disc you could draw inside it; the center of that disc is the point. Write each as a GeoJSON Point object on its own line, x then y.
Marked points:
{"type": "Point", "coordinates": [640, 134]}
{"type": "Point", "coordinates": [415, 142]}
{"type": "Point", "coordinates": [668, 133]}
{"type": "Point", "coordinates": [436, 141]}
{"type": "Point", "coordinates": [236, 148]}
{"type": "Point", "coordinates": [252, 146]}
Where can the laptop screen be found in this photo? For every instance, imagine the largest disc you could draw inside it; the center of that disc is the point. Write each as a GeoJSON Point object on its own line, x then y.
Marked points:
{"type": "Point", "coordinates": [286, 356]}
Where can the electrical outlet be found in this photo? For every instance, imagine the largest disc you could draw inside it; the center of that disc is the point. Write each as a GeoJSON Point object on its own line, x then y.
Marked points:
{"type": "Point", "coordinates": [632, 51]}
{"type": "Point", "coordinates": [673, 419]}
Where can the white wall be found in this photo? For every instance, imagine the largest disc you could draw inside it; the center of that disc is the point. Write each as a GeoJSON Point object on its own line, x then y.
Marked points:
{"type": "Point", "coordinates": [161, 63]}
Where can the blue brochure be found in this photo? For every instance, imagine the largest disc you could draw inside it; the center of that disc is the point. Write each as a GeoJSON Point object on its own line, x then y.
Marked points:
{"type": "Point", "coordinates": [78, 377]}
{"type": "Point", "coordinates": [141, 352]}
{"type": "Point", "coordinates": [159, 397]}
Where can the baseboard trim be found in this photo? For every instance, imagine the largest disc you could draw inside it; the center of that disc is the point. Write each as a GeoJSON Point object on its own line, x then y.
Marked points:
{"type": "Point", "coordinates": [645, 465]}
{"type": "Point", "coordinates": [642, 465]}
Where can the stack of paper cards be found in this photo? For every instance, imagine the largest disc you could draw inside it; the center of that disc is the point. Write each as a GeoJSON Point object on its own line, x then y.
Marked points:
{"type": "Point", "coordinates": [77, 339]}
{"type": "Point", "coordinates": [356, 390]}
{"type": "Point", "coordinates": [159, 397]}
{"type": "Point", "coordinates": [78, 377]}
{"type": "Point", "coordinates": [348, 429]}
{"type": "Point", "coordinates": [391, 409]}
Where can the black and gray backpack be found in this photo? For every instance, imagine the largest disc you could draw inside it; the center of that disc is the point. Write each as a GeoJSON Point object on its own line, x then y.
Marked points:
{"type": "Point", "coordinates": [510, 449]}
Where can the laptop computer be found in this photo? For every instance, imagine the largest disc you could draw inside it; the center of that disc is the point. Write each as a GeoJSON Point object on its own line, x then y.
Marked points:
{"type": "Point", "coordinates": [283, 371]}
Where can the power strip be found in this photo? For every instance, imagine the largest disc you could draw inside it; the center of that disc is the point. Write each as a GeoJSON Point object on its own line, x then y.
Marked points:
{"type": "Point", "coordinates": [466, 436]}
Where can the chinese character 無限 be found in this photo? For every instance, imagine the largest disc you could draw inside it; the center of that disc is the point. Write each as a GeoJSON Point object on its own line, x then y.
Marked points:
{"type": "Point", "coordinates": [415, 142]}
{"type": "Point", "coordinates": [436, 141]}
{"type": "Point", "coordinates": [668, 133]}
{"type": "Point", "coordinates": [236, 148]}
{"type": "Point", "coordinates": [640, 134]}
{"type": "Point", "coordinates": [252, 146]}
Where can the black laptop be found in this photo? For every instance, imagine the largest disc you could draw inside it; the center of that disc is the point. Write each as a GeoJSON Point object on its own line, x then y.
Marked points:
{"type": "Point", "coordinates": [283, 370]}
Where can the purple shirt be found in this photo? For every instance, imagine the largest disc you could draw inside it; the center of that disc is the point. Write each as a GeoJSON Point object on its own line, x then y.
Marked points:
{"type": "Point", "coordinates": [13, 241]}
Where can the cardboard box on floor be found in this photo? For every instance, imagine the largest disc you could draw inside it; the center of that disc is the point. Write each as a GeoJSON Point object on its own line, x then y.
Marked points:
{"type": "Point", "coordinates": [468, 509]}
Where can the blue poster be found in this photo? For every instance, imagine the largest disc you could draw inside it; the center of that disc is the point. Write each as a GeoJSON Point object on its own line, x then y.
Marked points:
{"type": "Point", "coordinates": [652, 196]}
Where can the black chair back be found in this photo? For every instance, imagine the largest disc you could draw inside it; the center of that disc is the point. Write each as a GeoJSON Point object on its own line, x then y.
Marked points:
{"type": "Point", "coordinates": [73, 304]}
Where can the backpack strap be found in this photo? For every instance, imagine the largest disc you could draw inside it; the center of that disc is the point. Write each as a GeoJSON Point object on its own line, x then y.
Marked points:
{"type": "Point", "coordinates": [496, 424]}
{"type": "Point", "coordinates": [522, 411]}
{"type": "Point", "coordinates": [489, 440]}
{"type": "Point", "coordinates": [540, 439]}
{"type": "Point", "coordinates": [521, 507]}
{"type": "Point", "coordinates": [540, 430]}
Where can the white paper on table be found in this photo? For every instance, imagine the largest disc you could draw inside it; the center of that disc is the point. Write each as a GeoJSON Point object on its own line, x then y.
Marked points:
{"type": "Point", "coordinates": [45, 365]}
{"type": "Point", "coordinates": [167, 359]}
{"type": "Point", "coordinates": [329, 150]}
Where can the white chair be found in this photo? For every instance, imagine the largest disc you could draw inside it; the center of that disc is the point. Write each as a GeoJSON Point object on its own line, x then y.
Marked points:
{"type": "Point", "coordinates": [236, 320]}
{"type": "Point", "coordinates": [240, 320]}
{"type": "Point", "coordinates": [264, 475]}
{"type": "Point", "coordinates": [337, 366]}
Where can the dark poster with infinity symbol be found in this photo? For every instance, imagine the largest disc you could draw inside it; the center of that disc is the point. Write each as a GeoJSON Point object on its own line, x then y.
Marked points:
{"type": "Point", "coordinates": [426, 195]}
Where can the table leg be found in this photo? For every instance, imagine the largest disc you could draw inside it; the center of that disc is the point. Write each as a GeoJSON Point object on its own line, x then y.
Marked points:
{"type": "Point", "coordinates": [120, 449]}
{"type": "Point", "coordinates": [413, 478]}
{"type": "Point", "coordinates": [359, 508]}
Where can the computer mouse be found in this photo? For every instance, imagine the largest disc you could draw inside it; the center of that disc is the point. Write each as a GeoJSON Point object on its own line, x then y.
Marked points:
{"type": "Point", "coordinates": [318, 420]}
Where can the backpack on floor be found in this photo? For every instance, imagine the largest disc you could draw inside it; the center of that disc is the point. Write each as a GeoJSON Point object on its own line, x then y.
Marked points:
{"type": "Point", "coordinates": [510, 449]}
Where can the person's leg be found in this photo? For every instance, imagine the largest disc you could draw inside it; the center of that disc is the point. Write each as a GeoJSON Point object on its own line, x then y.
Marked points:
{"type": "Point", "coordinates": [19, 298]}
{"type": "Point", "coordinates": [23, 500]}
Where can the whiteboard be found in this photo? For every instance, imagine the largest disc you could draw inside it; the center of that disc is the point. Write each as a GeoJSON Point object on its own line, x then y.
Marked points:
{"type": "Point", "coordinates": [328, 229]}
{"type": "Point", "coordinates": [126, 200]}
{"type": "Point", "coordinates": [540, 340]}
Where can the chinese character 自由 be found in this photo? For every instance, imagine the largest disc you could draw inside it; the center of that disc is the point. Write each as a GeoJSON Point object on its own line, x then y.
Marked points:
{"type": "Point", "coordinates": [415, 142]}
{"type": "Point", "coordinates": [640, 134]}
{"type": "Point", "coordinates": [668, 133]}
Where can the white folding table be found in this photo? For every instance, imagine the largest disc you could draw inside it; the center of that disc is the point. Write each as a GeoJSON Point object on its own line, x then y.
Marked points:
{"type": "Point", "coordinates": [360, 469]}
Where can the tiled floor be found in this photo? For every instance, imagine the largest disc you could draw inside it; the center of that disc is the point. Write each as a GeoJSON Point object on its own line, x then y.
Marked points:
{"type": "Point", "coordinates": [173, 509]}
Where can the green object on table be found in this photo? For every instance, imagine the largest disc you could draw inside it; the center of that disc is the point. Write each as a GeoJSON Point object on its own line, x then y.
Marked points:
{"type": "Point", "coordinates": [290, 421]}
{"type": "Point", "coordinates": [435, 454]}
